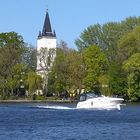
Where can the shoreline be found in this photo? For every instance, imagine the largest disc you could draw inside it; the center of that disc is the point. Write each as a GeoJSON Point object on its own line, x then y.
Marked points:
{"type": "Point", "coordinates": [49, 101]}
{"type": "Point", "coordinates": [37, 101]}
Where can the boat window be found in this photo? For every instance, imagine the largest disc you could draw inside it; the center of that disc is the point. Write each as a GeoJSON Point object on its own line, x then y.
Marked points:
{"type": "Point", "coordinates": [91, 95]}
{"type": "Point", "coordinates": [82, 98]}
{"type": "Point", "coordinates": [88, 95]}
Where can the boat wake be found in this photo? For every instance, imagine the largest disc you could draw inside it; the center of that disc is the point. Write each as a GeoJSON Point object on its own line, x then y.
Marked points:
{"type": "Point", "coordinates": [70, 108]}
{"type": "Point", "coordinates": [56, 107]}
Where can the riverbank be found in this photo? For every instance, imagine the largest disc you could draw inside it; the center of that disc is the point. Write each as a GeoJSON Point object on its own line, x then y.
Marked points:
{"type": "Point", "coordinates": [37, 101]}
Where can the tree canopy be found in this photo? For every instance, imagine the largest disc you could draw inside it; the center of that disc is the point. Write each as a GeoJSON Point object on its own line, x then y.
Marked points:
{"type": "Point", "coordinates": [15, 63]}
{"type": "Point", "coordinates": [107, 61]}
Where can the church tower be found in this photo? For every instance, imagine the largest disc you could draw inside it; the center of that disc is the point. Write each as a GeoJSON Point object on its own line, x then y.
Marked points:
{"type": "Point", "coordinates": [46, 46]}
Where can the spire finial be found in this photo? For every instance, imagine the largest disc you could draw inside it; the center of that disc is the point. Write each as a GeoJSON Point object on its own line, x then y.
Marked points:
{"type": "Point", "coordinates": [47, 9]}
{"type": "Point", "coordinates": [47, 30]}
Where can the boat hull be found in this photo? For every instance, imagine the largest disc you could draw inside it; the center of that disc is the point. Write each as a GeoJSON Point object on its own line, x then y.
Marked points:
{"type": "Point", "coordinates": [101, 103]}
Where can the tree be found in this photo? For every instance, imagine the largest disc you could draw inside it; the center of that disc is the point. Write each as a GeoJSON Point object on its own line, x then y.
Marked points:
{"type": "Point", "coordinates": [33, 82]}
{"type": "Point", "coordinates": [76, 69]}
{"type": "Point", "coordinates": [59, 70]}
{"type": "Point", "coordinates": [118, 43]}
{"type": "Point", "coordinates": [11, 50]}
{"type": "Point", "coordinates": [13, 81]}
{"type": "Point", "coordinates": [46, 58]}
{"type": "Point", "coordinates": [129, 24]}
{"type": "Point", "coordinates": [96, 65]}
{"type": "Point", "coordinates": [68, 70]}
{"type": "Point", "coordinates": [117, 79]}
{"type": "Point", "coordinates": [132, 67]}
{"type": "Point", "coordinates": [90, 36]}
{"type": "Point", "coordinates": [29, 57]}
{"type": "Point", "coordinates": [106, 35]}
{"type": "Point", "coordinates": [129, 44]}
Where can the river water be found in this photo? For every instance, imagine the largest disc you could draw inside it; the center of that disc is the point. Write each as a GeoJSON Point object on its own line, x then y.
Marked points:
{"type": "Point", "coordinates": [27, 121]}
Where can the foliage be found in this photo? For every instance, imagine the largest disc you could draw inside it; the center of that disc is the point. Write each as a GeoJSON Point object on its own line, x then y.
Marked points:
{"type": "Point", "coordinates": [76, 69]}
{"type": "Point", "coordinates": [46, 58]}
{"type": "Point", "coordinates": [11, 49]}
{"type": "Point", "coordinates": [13, 80]}
{"type": "Point", "coordinates": [106, 35]}
{"type": "Point", "coordinates": [103, 81]}
{"type": "Point", "coordinates": [68, 70]}
{"type": "Point", "coordinates": [59, 71]}
{"type": "Point", "coordinates": [132, 67]}
{"type": "Point", "coordinates": [29, 57]}
{"type": "Point", "coordinates": [118, 41]}
{"type": "Point", "coordinates": [129, 44]}
{"type": "Point", "coordinates": [107, 60]}
{"type": "Point", "coordinates": [117, 79]}
{"type": "Point", "coordinates": [96, 64]}
{"type": "Point", "coordinates": [15, 62]}
{"type": "Point", "coordinates": [33, 82]}
{"type": "Point", "coordinates": [129, 50]}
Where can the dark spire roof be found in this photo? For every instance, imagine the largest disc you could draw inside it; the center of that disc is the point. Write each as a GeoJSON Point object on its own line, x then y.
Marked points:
{"type": "Point", "coordinates": [47, 30]}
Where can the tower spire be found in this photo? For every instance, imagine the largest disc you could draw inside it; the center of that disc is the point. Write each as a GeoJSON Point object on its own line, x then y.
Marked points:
{"type": "Point", "coordinates": [47, 29]}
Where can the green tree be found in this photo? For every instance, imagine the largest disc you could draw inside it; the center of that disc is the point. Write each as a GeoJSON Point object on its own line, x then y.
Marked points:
{"type": "Point", "coordinates": [68, 70]}
{"type": "Point", "coordinates": [107, 35]}
{"type": "Point", "coordinates": [91, 35]}
{"type": "Point", "coordinates": [59, 70]}
{"type": "Point", "coordinates": [76, 69]}
{"type": "Point", "coordinates": [129, 24]}
{"type": "Point", "coordinates": [118, 43]}
{"type": "Point", "coordinates": [117, 79]}
{"type": "Point", "coordinates": [129, 44]}
{"type": "Point", "coordinates": [29, 57]}
{"type": "Point", "coordinates": [11, 50]}
{"type": "Point", "coordinates": [33, 82]}
{"type": "Point", "coordinates": [132, 67]}
{"type": "Point", "coordinates": [13, 81]}
{"type": "Point", "coordinates": [96, 65]}
{"type": "Point", "coordinates": [46, 57]}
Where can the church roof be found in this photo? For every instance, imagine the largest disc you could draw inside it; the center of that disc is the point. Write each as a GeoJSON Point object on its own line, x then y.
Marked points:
{"type": "Point", "coordinates": [47, 30]}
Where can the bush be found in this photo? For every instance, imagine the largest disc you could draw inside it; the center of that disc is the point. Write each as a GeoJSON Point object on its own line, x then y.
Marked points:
{"type": "Point", "coordinates": [38, 97]}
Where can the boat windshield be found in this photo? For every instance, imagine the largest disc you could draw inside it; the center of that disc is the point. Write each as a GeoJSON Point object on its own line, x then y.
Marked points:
{"type": "Point", "coordinates": [86, 96]}
{"type": "Point", "coordinates": [91, 95]}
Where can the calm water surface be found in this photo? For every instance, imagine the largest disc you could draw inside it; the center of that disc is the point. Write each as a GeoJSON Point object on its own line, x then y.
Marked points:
{"type": "Point", "coordinates": [64, 122]}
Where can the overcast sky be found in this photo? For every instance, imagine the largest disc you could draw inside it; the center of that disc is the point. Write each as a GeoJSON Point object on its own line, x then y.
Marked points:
{"type": "Point", "coordinates": [68, 17]}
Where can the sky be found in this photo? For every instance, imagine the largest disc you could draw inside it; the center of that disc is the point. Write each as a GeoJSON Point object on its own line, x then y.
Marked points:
{"type": "Point", "coordinates": [69, 18]}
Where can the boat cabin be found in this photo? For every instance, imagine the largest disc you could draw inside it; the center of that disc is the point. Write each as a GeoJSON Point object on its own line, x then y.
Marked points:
{"type": "Point", "coordinates": [85, 96]}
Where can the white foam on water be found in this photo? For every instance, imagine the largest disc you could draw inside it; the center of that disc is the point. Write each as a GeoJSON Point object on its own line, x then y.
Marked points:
{"type": "Point", "coordinates": [56, 107]}
{"type": "Point", "coordinates": [69, 108]}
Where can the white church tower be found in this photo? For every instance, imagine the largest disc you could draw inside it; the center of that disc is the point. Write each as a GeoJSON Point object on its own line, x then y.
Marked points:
{"type": "Point", "coordinates": [46, 52]}
{"type": "Point", "coordinates": [46, 42]}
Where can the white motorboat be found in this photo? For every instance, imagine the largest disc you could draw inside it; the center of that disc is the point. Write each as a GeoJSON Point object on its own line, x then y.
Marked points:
{"type": "Point", "coordinates": [93, 101]}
